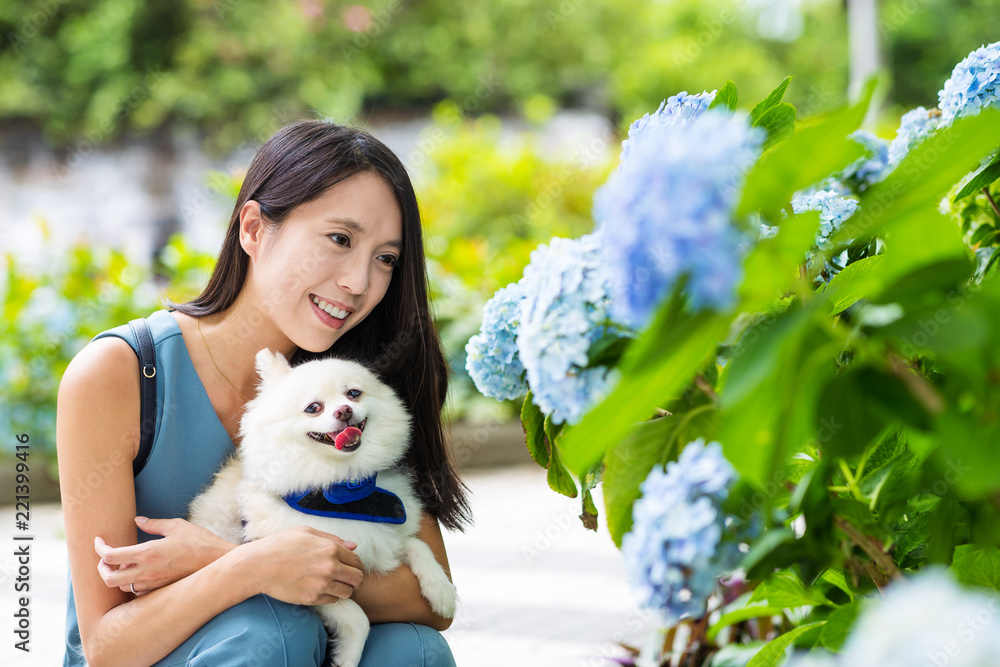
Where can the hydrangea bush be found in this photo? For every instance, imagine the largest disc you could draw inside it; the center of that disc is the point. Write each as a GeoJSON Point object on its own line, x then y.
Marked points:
{"type": "Point", "coordinates": [974, 85]}
{"type": "Point", "coordinates": [819, 305]}
{"type": "Point", "coordinates": [679, 109]}
{"type": "Point", "coordinates": [682, 540]}
{"type": "Point", "coordinates": [491, 355]}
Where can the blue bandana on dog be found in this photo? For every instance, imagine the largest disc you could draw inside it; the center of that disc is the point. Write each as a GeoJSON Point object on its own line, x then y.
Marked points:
{"type": "Point", "coordinates": [358, 500]}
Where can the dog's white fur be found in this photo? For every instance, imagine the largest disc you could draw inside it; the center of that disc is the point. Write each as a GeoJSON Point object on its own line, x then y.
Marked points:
{"type": "Point", "coordinates": [276, 457]}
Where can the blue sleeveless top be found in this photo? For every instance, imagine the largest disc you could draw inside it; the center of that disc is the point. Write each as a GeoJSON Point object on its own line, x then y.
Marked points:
{"type": "Point", "coordinates": [189, 446]}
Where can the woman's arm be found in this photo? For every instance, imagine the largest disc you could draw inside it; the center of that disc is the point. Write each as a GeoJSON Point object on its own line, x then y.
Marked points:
{"type": "Point", "coordinates": [97, 431]}
{"type": "Point", "coordinates": [396, 597]}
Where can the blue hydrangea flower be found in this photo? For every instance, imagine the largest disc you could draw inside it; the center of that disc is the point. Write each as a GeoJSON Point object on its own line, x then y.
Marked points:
{"type": "Point", "coordinates": [681, 542]}
{"type": "Point", "coordinates": [668, 209]}
{"type": "Point", "coordinates": [563, 312]}
{"type": "Point", "coordinates": [974, 85]}
{"type": "Point", "coordinates": [491, 355]}
{"type": "Point", "coordinates": [680, 109]}
{"type": "Point", "coordinates": [833, 206]}
{"type": "Point", "coordinates": [918, 619]}
{"type": "Point", "coordinates": [873, 167]}
{"type": "Point", "coordinates": [914, 126]}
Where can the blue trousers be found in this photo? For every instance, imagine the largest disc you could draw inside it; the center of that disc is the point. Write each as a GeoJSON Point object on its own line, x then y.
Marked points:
{"type": "Point", "coordinates": [264, 632]}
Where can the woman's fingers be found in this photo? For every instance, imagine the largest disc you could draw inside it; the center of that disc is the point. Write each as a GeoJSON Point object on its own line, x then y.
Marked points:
{"type": "Point", "coordinates": [117, 565]}
{"type": "Point", "coordinates": [119, 578]}
{"type": "Point", "coordinates": [337, 592]}
{"type": "Point", "coordinates": [117, 555]}
{"type": "Point", "coordinates": [349, 573]}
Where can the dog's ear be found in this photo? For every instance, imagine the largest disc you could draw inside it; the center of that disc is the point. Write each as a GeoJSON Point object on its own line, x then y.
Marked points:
{"type": "Point", "coordinates": [271, 366]}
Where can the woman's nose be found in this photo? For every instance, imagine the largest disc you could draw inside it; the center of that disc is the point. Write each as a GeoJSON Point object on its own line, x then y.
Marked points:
{"type": "Point", "coordinates": [354, 275]}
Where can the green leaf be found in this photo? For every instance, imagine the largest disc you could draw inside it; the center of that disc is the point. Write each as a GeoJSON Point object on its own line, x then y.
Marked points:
{"type": "Point", "coordinates": [552, 431]}
{"type": "Point", "coordinates": [939, 275]}
{"type": "Point", "coordinates": [838, 626]}
{"type": "Point", "coordinates": [911, 534]}
{"type": "Point", "coordinates": [559, 478]}
{"type": "Point", "coordinates": [807, 158]}
{"type": "Point", "coordinates": [774, 262]}
{"type": "Point", "coordinates": [837, 579]}
{"type": "Point", "coordinates": [588, 513]}
{"type": "Point", "coordinates": [653, 371]}
{"type": "Point", "coordinates": [770, 542]}
{"type": "Point", "coordinates": [740, 615]}
{"type": "Point", "coordinates": [854, 283]}
{"type": "Point", "coordinates": [607, 350]}
{"type": "Point", "coordinates": [726, 97]}
{"type": "Point", "coordinates": [857, 406]}
{"type": "Point", "coordinates": [773, 652]}
{"type": "Point", "coordinates": [626, 465]}
{"type": "Point", "coordinates": [772, 383]}
{"type": "Point", "coordinates": [779, 121]}
{"type": "Point", "coordinates": [979, 236]}
{"type": "Point", "coordinates": [772, 100]}
{"type": "Point", "coordinates": [533, 422]}
{"type": "Point", "coordinates": [985, 177]}
{"type": "Point", "coordinates": [975, 566]}
{"type": "Point", "coordinates": [923, 177]}
{"type": "Point", "coordinates": [784, 590]}
{"type": "Point", "coordinates": [733, 655]}
{"type": "Point", "coordinates": [628, 462]}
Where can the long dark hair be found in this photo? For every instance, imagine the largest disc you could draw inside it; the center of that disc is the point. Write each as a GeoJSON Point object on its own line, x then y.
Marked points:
{"type": "Point", "coordinates": [397, 339]}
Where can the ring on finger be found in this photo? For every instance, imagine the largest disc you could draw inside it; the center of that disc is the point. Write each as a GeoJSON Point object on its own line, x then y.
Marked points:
{"type": "Point", "coordinates": [132, 586]}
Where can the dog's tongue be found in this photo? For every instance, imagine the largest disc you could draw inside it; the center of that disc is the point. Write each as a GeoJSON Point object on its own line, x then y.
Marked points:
{"type": "Point", "coordinates": [348, 436]}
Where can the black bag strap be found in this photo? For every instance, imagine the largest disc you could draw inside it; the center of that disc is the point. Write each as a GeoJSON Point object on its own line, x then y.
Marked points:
{"type": "Point", "coordinates": [147, 393]}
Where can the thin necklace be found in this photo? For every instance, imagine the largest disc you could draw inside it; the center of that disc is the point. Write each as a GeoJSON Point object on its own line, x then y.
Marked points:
{"type": "Point", "coordinates": [217, 365]}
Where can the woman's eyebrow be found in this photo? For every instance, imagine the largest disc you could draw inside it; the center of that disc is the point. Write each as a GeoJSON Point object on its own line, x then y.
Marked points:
{"type": "Point", "coordinates": [358, 228]}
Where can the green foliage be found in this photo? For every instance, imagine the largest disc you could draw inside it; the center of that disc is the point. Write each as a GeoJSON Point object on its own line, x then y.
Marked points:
{"type": "Point", "coordinates": [239, 69]}
{"type": "Point", "coordinates": [924, 41]}
{"type": "Point", "coordinates": [774, 652]}
{"type": "Point", "coordinates": [50, 314]}
{"type": "Point", "coordinates": [487, 202]}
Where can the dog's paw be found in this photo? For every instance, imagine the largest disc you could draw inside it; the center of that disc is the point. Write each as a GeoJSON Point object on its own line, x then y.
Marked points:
{"type": "Point", "coordinates": [442, 596]}
{"type": "Point", "coordinates": [348, 628]}
{"type": "Point", "coordinates": [347, 653]}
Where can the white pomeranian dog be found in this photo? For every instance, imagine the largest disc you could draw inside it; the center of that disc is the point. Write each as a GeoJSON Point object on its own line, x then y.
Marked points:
{"type": "Point", "coordinates": [320, 446]}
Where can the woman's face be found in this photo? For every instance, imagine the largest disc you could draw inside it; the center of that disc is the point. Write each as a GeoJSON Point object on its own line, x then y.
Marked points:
{"type": "Point", "coordinates": [330, 263]}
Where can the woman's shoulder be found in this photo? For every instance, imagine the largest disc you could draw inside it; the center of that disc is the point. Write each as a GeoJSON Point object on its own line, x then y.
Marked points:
{"type": "Point", "coordinates": [106, 368]}
{"type": "Point", "coordinates": [97, 411]}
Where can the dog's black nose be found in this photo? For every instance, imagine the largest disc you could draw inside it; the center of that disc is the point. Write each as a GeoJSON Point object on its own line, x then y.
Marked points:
{"type": "Point", "coordinates": [344, 413]}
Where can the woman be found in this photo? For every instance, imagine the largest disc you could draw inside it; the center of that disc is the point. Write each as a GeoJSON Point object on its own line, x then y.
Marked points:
{"type": "Point", "coordinates": [323, 255]}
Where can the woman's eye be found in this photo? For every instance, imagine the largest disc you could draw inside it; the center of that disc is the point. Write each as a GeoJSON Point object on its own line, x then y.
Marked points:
{"type": "Point", "coordinates": [388, 260]}
{"type": "Point", "coordinates": [340, 239]}
{"type": "Point", "coordinates": [314, 408]}
{"type": "Point", "coordinates": [354, 394]}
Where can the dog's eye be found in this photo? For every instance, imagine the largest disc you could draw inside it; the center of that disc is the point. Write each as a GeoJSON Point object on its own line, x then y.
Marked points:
{"type": "Point", "coordinates": [314, 408]}
{"type": "Point", "coordinates": [354, 394]}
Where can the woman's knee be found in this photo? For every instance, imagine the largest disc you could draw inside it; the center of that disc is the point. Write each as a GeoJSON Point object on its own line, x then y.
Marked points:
{"type": "Point", "coordinates": [259, 632]}
{"type": "Point", "coordinates": [406, 645]}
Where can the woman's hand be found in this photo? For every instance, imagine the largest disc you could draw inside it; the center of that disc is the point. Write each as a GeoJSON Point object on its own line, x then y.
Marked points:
{"type": "Point", "coordinates": [304, 566]}
{"type": "Point", "coordinates": [185, 548]}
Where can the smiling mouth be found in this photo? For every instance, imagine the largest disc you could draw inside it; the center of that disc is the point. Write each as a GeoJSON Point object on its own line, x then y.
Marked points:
{"type": "Point", "coordinates": [347, 439]}
{"type": "Point", "coordinates": [329, 308]}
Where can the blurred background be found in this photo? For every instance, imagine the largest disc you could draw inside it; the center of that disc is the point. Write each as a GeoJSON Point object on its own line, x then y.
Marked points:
{"type": "Point", "coordinates": [126, 127]}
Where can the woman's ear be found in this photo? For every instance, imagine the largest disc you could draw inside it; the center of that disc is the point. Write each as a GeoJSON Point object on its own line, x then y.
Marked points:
{"type": "Point", "coordinates": [251, 229]}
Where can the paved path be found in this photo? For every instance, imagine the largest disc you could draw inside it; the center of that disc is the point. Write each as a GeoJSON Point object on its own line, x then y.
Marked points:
{"type": "Point", "coordinates": [537, 590]}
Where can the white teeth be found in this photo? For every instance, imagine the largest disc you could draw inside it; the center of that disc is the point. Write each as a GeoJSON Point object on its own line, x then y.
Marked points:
{"type": "Point", "coordinates": [330, 309]}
